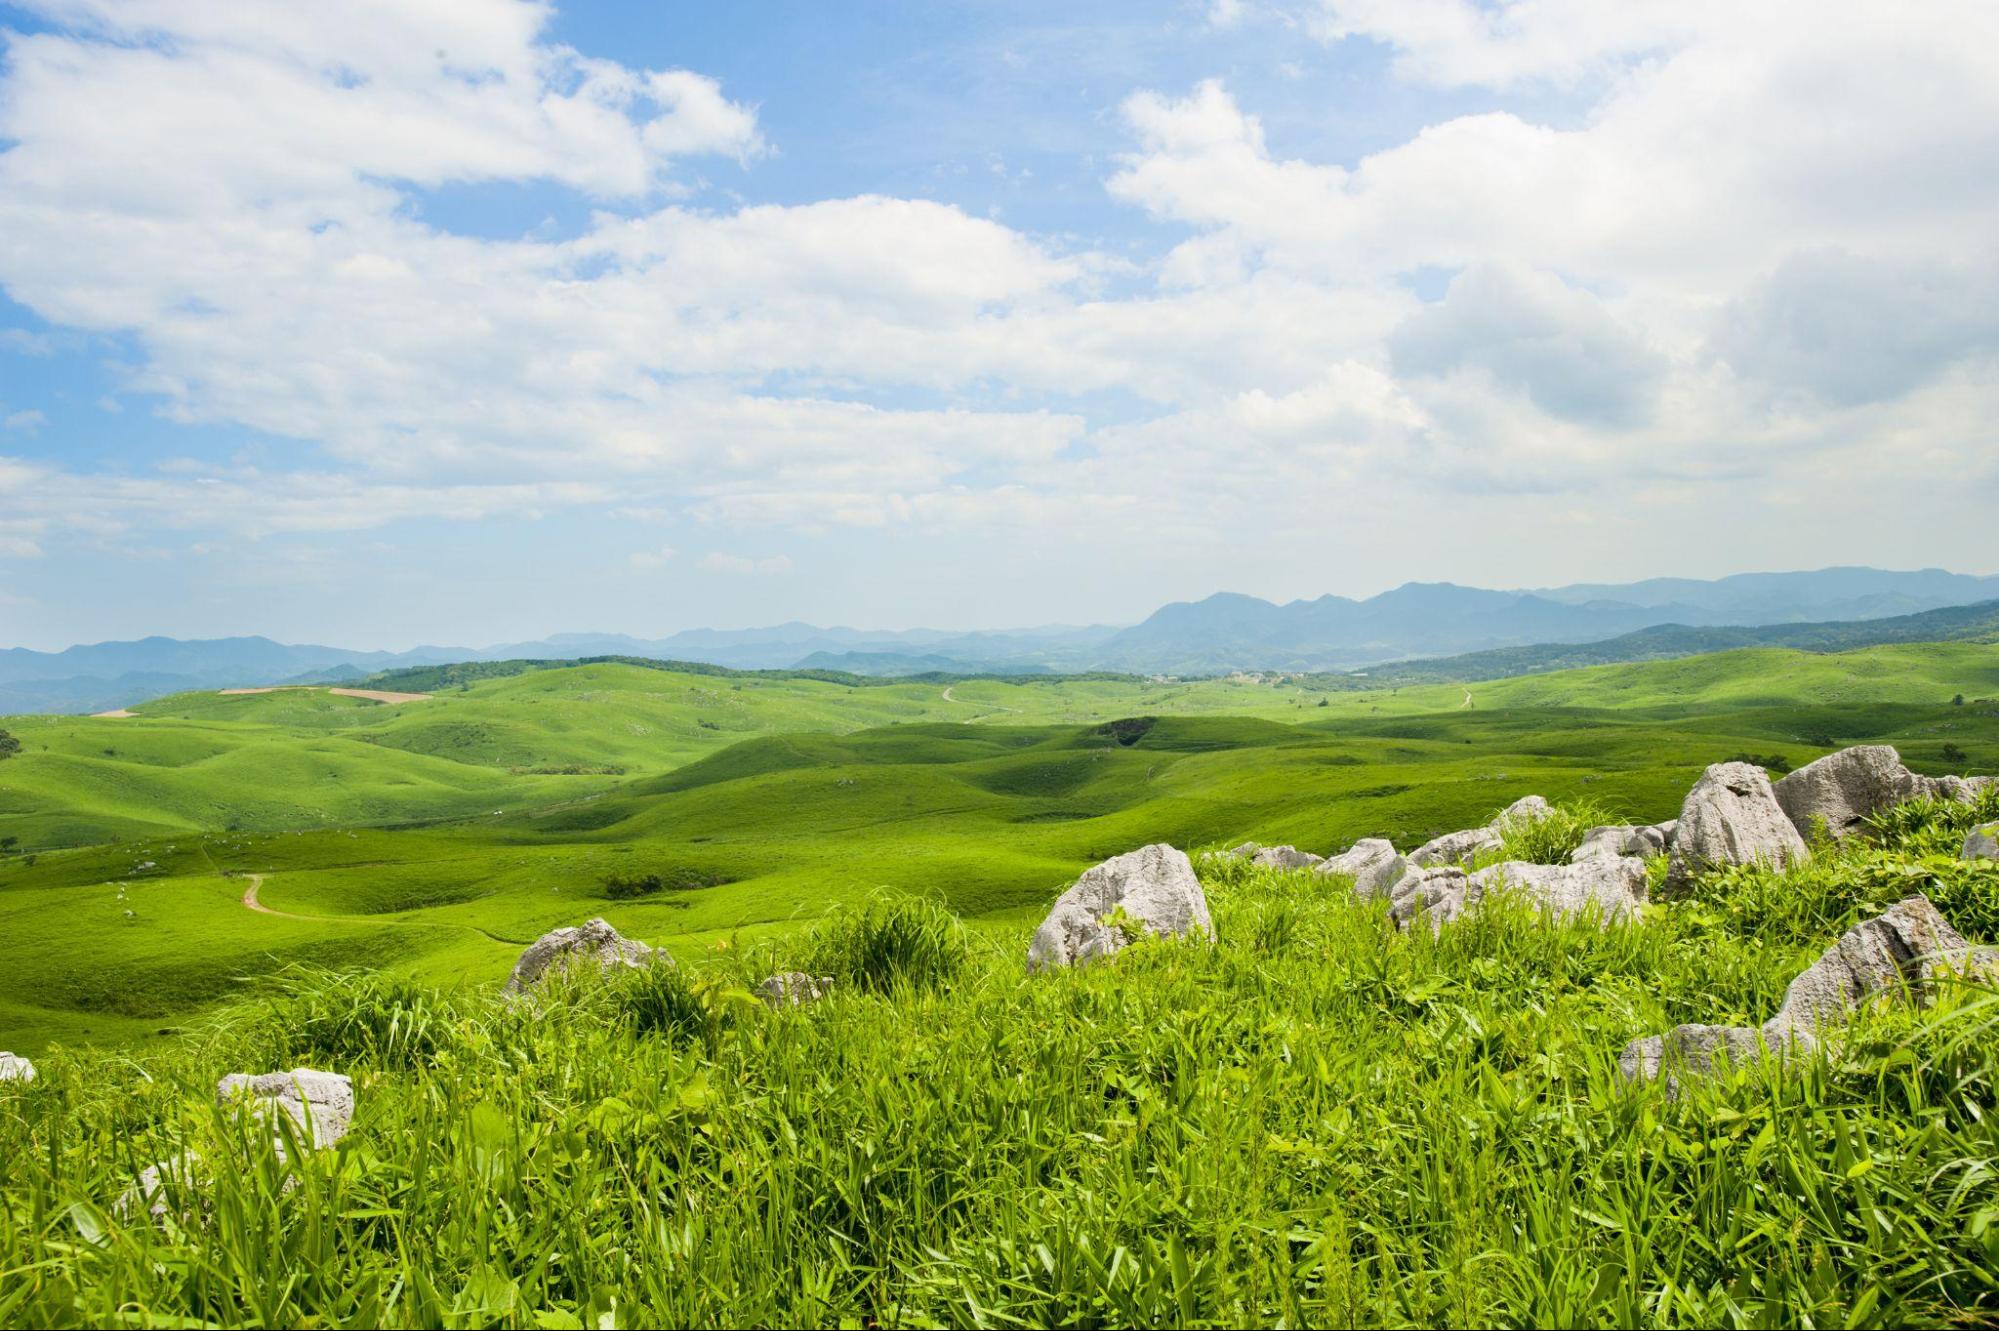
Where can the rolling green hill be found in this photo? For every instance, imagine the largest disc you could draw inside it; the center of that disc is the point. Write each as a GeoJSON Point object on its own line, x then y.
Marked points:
{"type": "Point", "coordinates": [433, 836]}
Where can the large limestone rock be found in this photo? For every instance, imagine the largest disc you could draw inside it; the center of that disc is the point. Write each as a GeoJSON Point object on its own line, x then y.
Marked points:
{"type": "Point", "coordinates": [1437, 893]}
{"type": "Point", "coordinates": [13, 1067]}
{"type": "Point", "coordinates": [1286, 857]}
{"type": "Point", "coordinates": [1153, 887]}
{"type": "Point", "coordinates": [1982, 843]}
{"type": "Point", "coordinates": [1731, 816]}
{"type": "Point", "coordinates": [794, 988]}
{"type": "Point", "coordinates": [1642, 840]}
{"type": "Point", "coordinates": [1613, 887]}
{"type": "Point", "coordinates": [1843, 788]}
{"type": "Point", "coordinates": [594, 940]}
{"type": "Point", "coordinates": [1898, 954]}
{"type": "Point", "coordinates": [320, 1104]}
{"type": "Point", "coordinates": [1887, 954]}
{"type": "Point", "coordinates": [1371, 863]}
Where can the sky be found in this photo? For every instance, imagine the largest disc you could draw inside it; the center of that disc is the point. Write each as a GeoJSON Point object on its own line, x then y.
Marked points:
{"type": "Point", "coordinates": [381, 322]}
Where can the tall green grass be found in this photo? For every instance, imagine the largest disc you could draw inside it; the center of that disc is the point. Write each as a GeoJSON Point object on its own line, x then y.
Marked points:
{"type": "Point", "coordinates": [1312, 1119]}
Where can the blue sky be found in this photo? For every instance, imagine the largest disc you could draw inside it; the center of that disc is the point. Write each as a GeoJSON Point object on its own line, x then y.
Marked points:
{"type": "Point", "coordinates": [400, 320]}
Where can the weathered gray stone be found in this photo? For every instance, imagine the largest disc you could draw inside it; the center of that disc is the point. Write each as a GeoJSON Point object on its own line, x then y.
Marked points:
{"type": "Point", "coordinates": [1982, 843]}
{"type": "Point", "coordinates": [1884, 955]}
{"type": "Point", "coordinates": [1286, 857]}
{"type": "Point", "coordinates": [1528, 808]}
{"type": "Point", "coordinates": [1461, 847]}
{"type": "Point", "coordinates": [1436, 893]}
{"type": "Point", "coordinates": [1611, 886]}
{"type": "Point", "coordinates": [13, 1067]}
{"type": "Point", "coordinates": [320, 1104]}
{"type": "Point", "coordinates": [1153, 887]}
{"type": "Point", "coordinates": [1371, 863]}
{"type": "Point", "coordinates": [1957, 789]}
{"type": "Point", "coordinates": [1902, 953]}
{"type": "Point", "coordinates": [1842, 789]}
{"type": "Point", "coordinates": [182, 1170]}
{"type": "Point", "coordinates": [1690, 1051]}
{"type": "Point", "coordinates": [1241, 852]}
{"type": "Point", "coordinates": [594, 940]}
{"type": "Point", "coordinates": [1642, 840]}
{"type": "Point", "coordinates": [1731, 816]}
{"type": "Point", "coordinates": [794, 988]}
{"type": "Point", "coordinates": [1614, 886]}
{"type": "Point", "coordinates": [1454, 847]}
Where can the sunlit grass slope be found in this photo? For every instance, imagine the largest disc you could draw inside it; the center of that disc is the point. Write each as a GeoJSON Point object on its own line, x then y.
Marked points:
{"type": "Point", "coordinates": [768, 833]}
{"type": "Point", "coordinates": [1313, 1120]}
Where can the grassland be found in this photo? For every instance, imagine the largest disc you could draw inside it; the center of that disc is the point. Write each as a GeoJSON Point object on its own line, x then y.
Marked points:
{"type": "Point", "coordinates": [1312, 1120]}
{"type": "Point", "coordinates": [420, 838]}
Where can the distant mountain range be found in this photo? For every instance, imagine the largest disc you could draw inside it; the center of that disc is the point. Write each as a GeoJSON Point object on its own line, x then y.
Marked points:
{"type": "Point", "coordinates": [1221, 633]}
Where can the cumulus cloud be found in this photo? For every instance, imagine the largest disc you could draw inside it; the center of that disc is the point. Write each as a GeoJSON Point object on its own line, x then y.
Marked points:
{"type": "Point", "coordinates": [1754, 236]}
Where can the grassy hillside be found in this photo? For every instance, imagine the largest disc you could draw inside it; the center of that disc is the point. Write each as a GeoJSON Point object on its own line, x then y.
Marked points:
{"type": "Point", "coordinates": [772, 830]}
{"type": "Point", "coordinates": [1311, 1120]}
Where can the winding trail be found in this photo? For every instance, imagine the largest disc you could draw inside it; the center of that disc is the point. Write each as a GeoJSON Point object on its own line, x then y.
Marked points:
{"type": "Point", "coordinates": [250, 899]}
{"type": "Point", "coordinates": [948, 697]}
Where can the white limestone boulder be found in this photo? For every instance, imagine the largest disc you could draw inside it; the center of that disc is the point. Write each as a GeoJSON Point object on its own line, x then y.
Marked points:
{"type": "Point", "coordinates": [1152, 889]}
{"type": "Point", "coordinates": [1731, 816]}
{"type": "Point", "coordinates": [594, 940]}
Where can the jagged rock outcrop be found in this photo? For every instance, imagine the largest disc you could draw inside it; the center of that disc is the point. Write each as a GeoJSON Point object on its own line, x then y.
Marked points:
{"type": "Point", "coordinates": [794, 988]}
{"type": "Point", "coordinates": [1982, 843]}
{"type": "Point", "coordinates": [1897, 954]}
{"type": "Point", "coordinates": [1613, 886]}
{"type": "Point", "coordinates": [1461, 847]}
{"type": "Point", "coordinates": [13, 1067]}
{"type": "Point", "coordinates": [1731, 816]}
{"type": "Point", "coordinates": [1643, 840]}
{"type": "Point", "coordinates": [594, 940]}
{"type": "Point", "coordinates": [1152, 888]}
{"type": "Point", "coordinates": [1286, 857]}
{"type": "Point", "coordinates": [1372, 864]}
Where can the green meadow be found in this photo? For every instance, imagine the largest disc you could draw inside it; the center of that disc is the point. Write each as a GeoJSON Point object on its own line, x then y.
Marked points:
{"type": "Point", "coordinates": [436, 838]}
{"type": "Point", "coordinates": [1311, 1119]}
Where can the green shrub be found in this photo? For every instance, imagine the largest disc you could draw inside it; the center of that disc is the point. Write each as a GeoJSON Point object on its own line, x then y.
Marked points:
{"type": "Point", "coordinates": [1549, 840]}
{"type": "Point", "coordinates": [375, 1018]}
{"type": "Point", "coordinates": [889, 942]}
{"type": "Point", "coordinates": [1932, 826]}
{"type": "Point", "coordinates": [663, 999]}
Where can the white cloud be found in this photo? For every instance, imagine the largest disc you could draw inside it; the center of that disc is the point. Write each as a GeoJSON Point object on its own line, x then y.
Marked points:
{"type": "Point", "coordinates": [29, 420]}
{"type": "Point", "coordinates": [1757, 239]}
{"type": "Point", "coordinates": [721, 563]}
{"type": "Point", "coordinates": [652, 559]}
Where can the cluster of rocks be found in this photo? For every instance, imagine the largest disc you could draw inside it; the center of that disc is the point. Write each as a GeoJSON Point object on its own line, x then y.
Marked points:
{"type": "Point", "coordinates": [1897, 956]}
{"type": "Point", "coordinates": [1733, 815]}
{"type": "Point", "coordinates": [13, 1067]}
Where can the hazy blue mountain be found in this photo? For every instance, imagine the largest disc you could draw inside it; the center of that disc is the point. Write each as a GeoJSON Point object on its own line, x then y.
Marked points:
{"type": "Point", "coordinates": [1226, 631]}
{"type": "Point", "coordinates": [1960, 623]}
{"type": "Point", "coordinates": [903, 663]}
